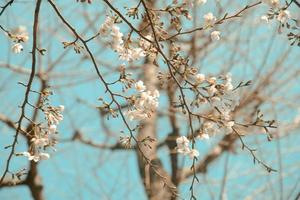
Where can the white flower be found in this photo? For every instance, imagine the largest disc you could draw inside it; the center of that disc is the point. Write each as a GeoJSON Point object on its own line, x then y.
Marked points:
{"type": "Point", "coordinates": [125, 141]}
{"type": "Point", "coordinates": [117, 43]}
{"type": "Point", "coordinates": [144, 106]}
{"type": "Point", "coordinates": [106, 26]}
{"type": "Point", "coordinates": [61, 108]}
{"type": "Point", "coordinates": [215, 35]}
{"type": "Point", "coordinates": [183, 145]}
{"type": "Point", "coordinates": [211, 90]}
{"type": "Point", "coordinates": [144, 43]}
{"type": "Point", "coordinates": [284, 16]}
{"type": "Point", "coordinates": [201, 2]}
{"type": "Point", "coordinates": [264, 18]}
{"type": "Point", "coordinates": [20, 34]}
{"type": "Point", "coordinates": [36, 157]}
{"type": "Point", "coordinates": [228, 86]}
{"type": "Point", "coordinates": [193, 153]}
{"type": "Point", "coordinates": [17, 48]}
{"type": "Point", "coordinates": [216, 101]}
{"type": "Point", "coordinates": [183, 150]}
{"type": "Point", "coordinates": [136, 114]}
{"type": "Point", "coordinates": [52, 128]}
{"type": "Point", "coordinates": [200, 78]}
{"type": "Point", "coordinates": [209, 128]}
{"type": "Point", "coordinates": [228, 126]}
{"type": "Point", "coordinates": [209, 19]}
{"type": "Point", "coordinates": [137, 53]}
{"type": "Point", "coordinates": [155, 93]}
{"type": "Point", "coordinates": [53, 114]}
{"type": "Point", "coordinates": [225, 114]}
{"type": "Point", "coordinates": [44, 156]}
{"type": "Point", "coordinates": [231, 99]}
{"type": "Point", "coordinates": [212, 80]}
{"type": "Point", "coordinates": [182, 141]}
{"type": "Point", "coordinates": [54, 118]}
{"type": "Point", "coordinates": [203, 136]}
{"type": "Point", "coordinates": [40, 142]}
{"type": "Point", "coordinates": [273, 3]}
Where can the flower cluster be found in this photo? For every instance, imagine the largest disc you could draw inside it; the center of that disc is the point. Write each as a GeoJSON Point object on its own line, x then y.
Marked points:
{"type": "Point", "coordinates": [144, 104]}
{"type": "Point", "coordinates": [210, 20]}
{"type": "Point", "coordinates": [221, 96]}
{"type": "Point", "coordinates": [285, 19]}
{"type": "Point", "coordinates": [18, 36]}
{"type": "Point", "coordinates": [149, 49]}
{"type": "Point", "coordinates": [280, 13]}
{"type": "Point", "coordinates": [183, 147]}
{"type": "Point", "coordinates": [125, 52]}
{"type": "Point", "coordinates": [53, 114]}
{"type": "Point", "coordinates": [44, 136]}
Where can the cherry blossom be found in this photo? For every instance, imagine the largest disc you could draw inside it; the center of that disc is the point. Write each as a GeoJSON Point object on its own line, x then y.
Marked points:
{"type": "Point", "coordinates": [17, 48]}
{"type": "Point", "coordinates": [284, 16]}
{"type": "Point", "coordinates": [209, 19]}
{"type": "Point", "coordinates": [215, 35]}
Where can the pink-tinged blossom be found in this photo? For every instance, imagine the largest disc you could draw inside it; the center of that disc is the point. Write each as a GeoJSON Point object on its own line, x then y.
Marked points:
{"type": "Point", "coordinates": [17, 48]}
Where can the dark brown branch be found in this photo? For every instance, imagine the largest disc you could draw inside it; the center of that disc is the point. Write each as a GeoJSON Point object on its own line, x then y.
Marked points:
{"type": "Point", "coordinates": [28, 88]}
{"type": "Point", "coordinates": [5, 6]}
{"type": "Point", "coordinates": [220, 21]}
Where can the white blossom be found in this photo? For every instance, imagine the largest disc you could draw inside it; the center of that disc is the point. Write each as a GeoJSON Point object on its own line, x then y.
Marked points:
{"type": "Point", "coordinates": [209, 19]}
{"type": "Point", "coordinates": [144, 43]}
{"type": "Point", "coordinates": [193, 153]}
{"type": "Point", "coordinates": [183, 145]}
{"type": "Point", "coordinates": [117, 44]}
{"type": "Point", "coordinates": [53, 114]}
{"type": "Point", "coordinates": [264, 18]}
{"type": "Point", "coordinates": [137, 53]}
{"type": "Point", "coordinates": [182, 141]}
{"type": "Point", "coordinates": [40, 142]}
{"type": "Point", "coordinates": [228, 87]}
{"type": "Point", "coordinates": [20, 34]}
{"type": "Point", "coordinates": [61, 108]}
{"type": "Point", "coordinates": [106, 26]}
{"type": "Point", "coordinates": [144, 106]}
{"type": "Point", "coordinates": [17, 48]}
{"type": "Point", "coordinates": [228, 126]}
{"type": "Point", "coordinates": [273, 3]}
{"type": "Point", "coordinates": [201, 2]}
{"type": "Point", "coordinates": [203, 136]}
{"type": "Point", "coordinates": [125, 141]}
{"type": "Point", "coordinates": [139, 86]}
{"type": "Point", "coordinates": [36, 157]}
{"type": "Point", "coordinates": [44, 156]}
{"type": "Point", "coordinates": [136, 114]}
{"type": "Point", "coordinates": [212, 80]}
{"type": "Point", "coordinates": [215, 35]}
{"type": "Point", "coordinates": [52, 128]}
{"type": "Point", "coordinates": [284, 16]}
{"type": "Point", "coordinates": [212, 90]}
{"type": "Point", "coordinates": [209, 128]}
{"type": "Point", "coordinates": [200, 78]}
